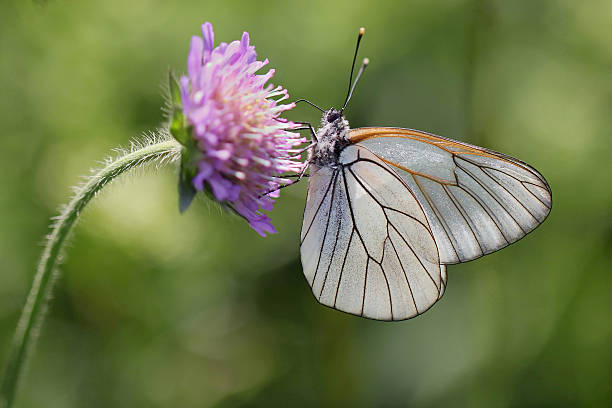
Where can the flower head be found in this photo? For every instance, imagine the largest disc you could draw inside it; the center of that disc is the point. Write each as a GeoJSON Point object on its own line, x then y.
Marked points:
{"type": "Point", "coordinates": [234, 120]}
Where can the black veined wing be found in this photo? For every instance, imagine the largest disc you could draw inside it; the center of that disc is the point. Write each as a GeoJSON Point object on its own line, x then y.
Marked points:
{"type": "Point", "coordinates": [476, 200]}
{"type": "Point", "coordinates": [367, 247]}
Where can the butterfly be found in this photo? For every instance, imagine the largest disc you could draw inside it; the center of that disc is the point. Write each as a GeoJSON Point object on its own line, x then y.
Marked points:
{"type": "Point", "coordinates": [388, 209]}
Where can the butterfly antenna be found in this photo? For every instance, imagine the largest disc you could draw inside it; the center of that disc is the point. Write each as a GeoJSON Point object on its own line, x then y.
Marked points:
{"type": "Point", "coordinates": [363, 66]}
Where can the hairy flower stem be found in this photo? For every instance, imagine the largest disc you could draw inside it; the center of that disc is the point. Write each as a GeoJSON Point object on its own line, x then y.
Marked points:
{"type": "Point", "coordinates": [34, 310]}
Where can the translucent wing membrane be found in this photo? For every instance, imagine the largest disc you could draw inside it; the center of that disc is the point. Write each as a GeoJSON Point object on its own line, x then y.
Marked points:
{"type": "Point", "coordinates": [475, 200]}
{"type": "Point", "coordinates": [366, 244]}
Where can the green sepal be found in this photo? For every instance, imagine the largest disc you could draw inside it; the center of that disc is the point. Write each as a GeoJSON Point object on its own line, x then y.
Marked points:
{"type": "Point", "coordinates": [178, 123]}
{"type": "Point", "coordinates": [187, 192]}
{"type": "Point", "coordinates": [188, 170]}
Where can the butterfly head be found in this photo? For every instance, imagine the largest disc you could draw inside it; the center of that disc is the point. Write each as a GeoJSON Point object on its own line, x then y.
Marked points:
{"type": "Point", "coordinates": [333, 124]}
{"type": "Point", "coordinates": [332, 115]}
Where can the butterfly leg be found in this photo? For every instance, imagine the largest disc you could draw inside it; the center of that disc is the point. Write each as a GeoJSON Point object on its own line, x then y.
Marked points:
{"type": "Point", "coordinates": [298, 153]}
{"type": "Point", "coordinates": [310, 103]}
{"type": "Point", "coordinates": [298, 177]}
{"type": "Point", "coordinates": [308, 126]}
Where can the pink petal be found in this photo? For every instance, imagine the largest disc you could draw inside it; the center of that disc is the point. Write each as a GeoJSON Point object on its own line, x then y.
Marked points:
{"type": "Point", "coordinates": [209, 40]}
{"type": "Point", "coordinates": [194, 60]}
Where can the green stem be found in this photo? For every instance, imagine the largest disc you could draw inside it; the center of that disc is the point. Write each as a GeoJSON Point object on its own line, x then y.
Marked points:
{"type": "Point", "coordinates": [34, 309]}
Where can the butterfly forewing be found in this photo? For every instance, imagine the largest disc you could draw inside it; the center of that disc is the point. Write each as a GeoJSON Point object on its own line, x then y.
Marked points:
{"type": "Point", "coordinates": [476, 200]}
{"type": "Point", "coordinates": [367, 248]}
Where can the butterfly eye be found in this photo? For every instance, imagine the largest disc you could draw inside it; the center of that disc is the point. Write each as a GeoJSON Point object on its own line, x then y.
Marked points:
{"type": "Point", "coordinates": [332, 116]}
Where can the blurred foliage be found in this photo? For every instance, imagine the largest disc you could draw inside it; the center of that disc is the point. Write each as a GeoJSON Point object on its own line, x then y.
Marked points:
{"type": "Point", "coordinates": [157, 309]}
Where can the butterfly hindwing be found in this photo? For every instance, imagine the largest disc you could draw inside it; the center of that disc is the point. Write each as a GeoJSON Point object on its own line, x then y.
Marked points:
{"type": "Point", "coordinates": [367, 248]}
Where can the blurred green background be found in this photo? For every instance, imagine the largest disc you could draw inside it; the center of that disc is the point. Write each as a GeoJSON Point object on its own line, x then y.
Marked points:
{"type": "Point", "coordinates": [157, 309]}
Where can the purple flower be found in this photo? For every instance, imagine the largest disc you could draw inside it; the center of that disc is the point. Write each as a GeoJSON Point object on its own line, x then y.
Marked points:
{"type": "Point", "coordinates": [234, 119]}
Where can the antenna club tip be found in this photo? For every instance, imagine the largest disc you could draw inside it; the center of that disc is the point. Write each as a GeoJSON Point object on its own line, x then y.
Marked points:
{"type": "Point", "coordinates": [366, 61]}
{"type": "Point", "coordinates": [361, 30]}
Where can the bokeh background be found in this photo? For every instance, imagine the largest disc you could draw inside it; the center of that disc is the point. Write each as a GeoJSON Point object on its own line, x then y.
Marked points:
{"type": "Point", "coordinates": [157, 309]}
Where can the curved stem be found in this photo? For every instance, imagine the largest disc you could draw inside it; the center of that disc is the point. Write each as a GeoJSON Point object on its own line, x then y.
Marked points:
{"type": "Point", "coordinates": [34, 309]}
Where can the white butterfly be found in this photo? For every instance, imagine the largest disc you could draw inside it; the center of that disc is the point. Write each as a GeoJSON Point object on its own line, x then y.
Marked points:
{"type": "Point", "coordinates": [389, 208]}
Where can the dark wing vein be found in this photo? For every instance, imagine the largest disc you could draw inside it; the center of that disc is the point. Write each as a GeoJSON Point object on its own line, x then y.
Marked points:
{"type": "Point", "coordinates": [382, 268]}
{"type": "Point", "coordinates": [485, 207]}
{"type": "Point", "coordinates": [523, 182]}
{"type": "Point", "coordinates": [535, 196]}
{"type": "Point", "coordinates": [399, 261]}
{"type": "Point", "coordinates": [526, 168]}
{"type": "Point", "coordinates": [355, 229]}
{"type": "Point", "coordinates": [466, 217]}
{"type": "Point", "coordinates": [509, 192]}
{"type": "Point", "coordinates": [441, 219]}
{"type": "Point", "coordinates": [491, 193]}
{"type": "Point", "coordinates": [365, 284]}
{"type": "Point", "coordinates": [331, 203]}
{"type": "Point", "coordinates": [415, 255]}
{"type": "Point", "coordinates": [342, 267]}
{"type": "Point", "coordinates": [333, 253]}
{"type": "Point", "coordinates": [314, 217]}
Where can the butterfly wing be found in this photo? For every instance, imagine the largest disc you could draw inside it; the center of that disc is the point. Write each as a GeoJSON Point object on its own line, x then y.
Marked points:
{"type": "Point", "coordinates": [476, 200]}
{"type": "Point", "coordinates": [366, 245]}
